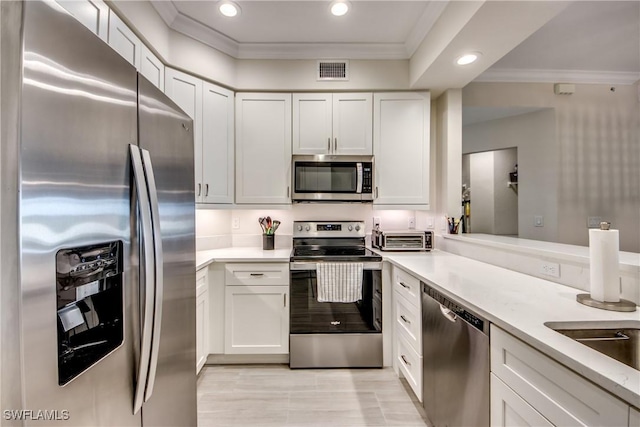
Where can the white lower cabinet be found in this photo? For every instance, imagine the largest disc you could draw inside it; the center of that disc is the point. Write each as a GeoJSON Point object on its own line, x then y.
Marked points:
{"type": "Point", "coordinates": [634, 417]}
{"type": "Point", "coordinates": [510, 410]}
{"type": "Point", "coordinates": [407, 329]}
{"type": "Point", "coordinates": [256, 309]}
{"type": "Point", "coordinates": [556, 393]}
{"type": "Point", "coordinates": [202, 318]}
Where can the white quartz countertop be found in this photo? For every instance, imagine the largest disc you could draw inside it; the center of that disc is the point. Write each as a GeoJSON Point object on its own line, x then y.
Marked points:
{"type": "Point", "coordinates": [204, 258]}
{"type": "Point", "coordinates": [521, 304]}
{"type": "Point", "coordinates": [516, 302]}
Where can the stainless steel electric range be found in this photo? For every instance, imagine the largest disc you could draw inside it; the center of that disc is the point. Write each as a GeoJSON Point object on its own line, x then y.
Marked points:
{"type": "Point", "coordinates": [333, 334]}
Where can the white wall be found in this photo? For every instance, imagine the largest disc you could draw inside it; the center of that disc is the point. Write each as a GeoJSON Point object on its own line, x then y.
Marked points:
{"type": "Point", "coordinates": [214, 228]}
{"type": "Point", "coordinates": [481, 166]}
{"type": "Point", "coordinates": [534, 136]}
{"type": "Point", "coordinates": [594, 155]}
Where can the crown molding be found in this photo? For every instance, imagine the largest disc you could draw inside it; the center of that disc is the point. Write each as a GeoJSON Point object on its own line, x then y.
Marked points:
{"type": "Point", "coordinates": [166, 9]}
{"type": "Point", "coordinates": [513, 75]}
{"type": "Point", "coordinates": [427, 20]}
{"type": "Point", "coordinates": [197, 30]}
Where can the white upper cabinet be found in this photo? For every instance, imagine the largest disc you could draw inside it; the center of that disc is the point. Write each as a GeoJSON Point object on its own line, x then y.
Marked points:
{"type": "Point", "coordinates": [152, 68]}
{"type": "Point", "coordinates": [124, 41]}
{"type": "Point", "coordinates": [186, 91]}
{"type": "Point", "coordinates": [402, 148]}
{"type": "Point", "coordinates": [217, 144]}
{"type": "Point", "coordinates": [339, 123]}
{"type": "Point", "coordinates": [312, 116]}
{"type": "Point", "coordinates": [263, 148]}
{"type": "Point", "coordinates": [93, 14]}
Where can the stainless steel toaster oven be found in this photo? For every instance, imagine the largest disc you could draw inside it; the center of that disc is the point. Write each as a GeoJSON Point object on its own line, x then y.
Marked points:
{"type": "Point", "coordinates": [402, 240]}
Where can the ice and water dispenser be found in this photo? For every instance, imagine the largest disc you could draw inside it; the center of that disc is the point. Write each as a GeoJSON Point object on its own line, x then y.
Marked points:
{"type": "Point", "coordinates": [89, 287]}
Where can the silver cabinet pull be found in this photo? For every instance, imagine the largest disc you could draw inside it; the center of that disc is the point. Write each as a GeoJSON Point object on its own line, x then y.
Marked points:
{"type": "Point", "coordinates": [288, 192]}
{"type": "Point", "coordinates": [285, 299]}
{"type": "Point", "coordinates": [199, 189]}
{"type": "Point", "coordinates": [376, 192]}
{"type": "Point", "coordinates": [404, 286]}
{"type": "Point", "coordinates": [335, 144]}
{"type": "Point", "coordinates": [405, 320]}
{"type": "Point", "coordinates": [329, 144]}
{"type": "Point", "coordinates": [256, 274]}
{"type": "Point", "coordinates": [206, 190]}
{"type": "Point", "coordinates": [404, 359]}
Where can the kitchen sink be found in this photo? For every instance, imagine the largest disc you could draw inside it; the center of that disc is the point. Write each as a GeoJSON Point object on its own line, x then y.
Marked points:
{"type": "Point", "coordinates": [619, 340]}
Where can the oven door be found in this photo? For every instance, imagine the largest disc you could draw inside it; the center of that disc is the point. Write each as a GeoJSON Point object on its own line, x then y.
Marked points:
{"type": "Point", "coordinates": [308, 316]}
{"type": "Point", "coordinates": [332, 180]}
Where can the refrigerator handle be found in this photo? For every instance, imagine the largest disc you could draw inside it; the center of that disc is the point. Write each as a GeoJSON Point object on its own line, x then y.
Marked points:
{"type": "Point", "coordinates": [146, 275]}
{"type": "Point", "coordinates": [159, 264]}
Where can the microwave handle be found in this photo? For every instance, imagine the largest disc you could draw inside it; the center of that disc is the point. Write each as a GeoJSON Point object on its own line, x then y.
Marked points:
{"type": "Point", "coordinates": [359, 178]}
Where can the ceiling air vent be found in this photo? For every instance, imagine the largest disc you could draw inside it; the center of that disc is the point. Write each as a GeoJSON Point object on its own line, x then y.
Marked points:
{"type": "Point", "coordinates": [333, 70]}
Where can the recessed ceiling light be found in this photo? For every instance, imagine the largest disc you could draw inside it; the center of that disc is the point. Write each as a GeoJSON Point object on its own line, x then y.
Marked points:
{"type": "Point", "coordinates": [229, 9]}
{"type": "Point", "coordinates": [340, 8]}
{"type": "Point", "coordinates": [468, 58]}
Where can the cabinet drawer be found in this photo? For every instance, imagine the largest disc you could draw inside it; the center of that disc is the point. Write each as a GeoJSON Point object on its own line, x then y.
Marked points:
{"type": "Point", "coordinates": [407, 285]}
{"type": "Point", "coordinates": [559, 394]}
{"type": "Point", "coordinates": [409, 322]}
{"type": "Point", "coordinates": [266, 274]}
{"type": "Point", "coordinates": [410, 363]}
{"type": "Point", "coordinates": [201, 281]}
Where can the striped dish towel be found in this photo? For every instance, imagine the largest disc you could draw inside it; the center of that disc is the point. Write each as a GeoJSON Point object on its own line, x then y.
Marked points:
{"type": "Point", "coordinates": [339, 281]}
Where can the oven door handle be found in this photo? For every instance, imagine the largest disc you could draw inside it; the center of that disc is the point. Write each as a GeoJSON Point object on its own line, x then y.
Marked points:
{"type": "Point", "coordinates": [359, 178]}
{"type": "Point", "coordinates": [312, 266]}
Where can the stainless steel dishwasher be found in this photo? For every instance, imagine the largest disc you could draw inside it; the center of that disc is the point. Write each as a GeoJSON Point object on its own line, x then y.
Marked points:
{"type": "Point", "coordinates": [455, 362]}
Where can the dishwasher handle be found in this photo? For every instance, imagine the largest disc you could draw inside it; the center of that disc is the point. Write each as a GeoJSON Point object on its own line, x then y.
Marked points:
{"type": "Point", "coordinates": [448, 314]}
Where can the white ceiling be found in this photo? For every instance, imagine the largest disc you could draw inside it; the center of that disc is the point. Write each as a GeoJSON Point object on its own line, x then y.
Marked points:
{"type": "Point", "coordinates": [589, 42]}
{"type": "Point", "coordinates": [303, 29]}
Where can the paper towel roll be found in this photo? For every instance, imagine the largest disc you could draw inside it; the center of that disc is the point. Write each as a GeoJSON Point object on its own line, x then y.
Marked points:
{"type": "Point", "coordinates": [604, 267]}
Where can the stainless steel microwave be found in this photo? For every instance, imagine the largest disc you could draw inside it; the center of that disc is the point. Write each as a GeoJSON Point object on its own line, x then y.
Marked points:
{"type": "Point", "coordinates": [332, 178]}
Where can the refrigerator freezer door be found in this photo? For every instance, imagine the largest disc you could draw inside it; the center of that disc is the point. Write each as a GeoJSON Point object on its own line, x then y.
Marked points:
{"type": "Point", "coordinates": [78, 117]}
{"type": "Point", "coordinates": [166, 132]}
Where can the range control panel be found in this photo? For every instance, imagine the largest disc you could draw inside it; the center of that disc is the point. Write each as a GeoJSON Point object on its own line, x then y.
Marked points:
{"type": "Point", "coordinates": [328, 229]}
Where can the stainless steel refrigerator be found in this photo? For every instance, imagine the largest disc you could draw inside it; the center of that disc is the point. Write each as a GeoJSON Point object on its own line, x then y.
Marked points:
{"type": "Point", "coordinates": [98, 233]}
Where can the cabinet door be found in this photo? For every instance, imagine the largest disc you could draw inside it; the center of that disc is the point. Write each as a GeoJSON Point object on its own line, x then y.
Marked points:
{"type": "Point", "coordinates": [202, 318]}
{"type": "Point", "coordinates": [217, 144]}
{"type": "Point", "coordinates": [402, 148]}
{"type": "Point", "coordinates": [263, 148]}
{"type": "Point", "coordinates": [93, 14]}
{"type": "Point", "coordinates": [186, 91]}
{"type": "Point", "coordinates": [312, 123]}
{"type": "Point", "coordinates": [256, 320]}
{"type": "Point", "coordinates": [124, 41]}
{"type": "Point", "coordinates": [352, 123]}
{"type": "Point", "coordinates": [510, 410]}
{"type": "Point", "coordinates": [634, 417]}
{"type": "Point", "coordinates": [152, 68]}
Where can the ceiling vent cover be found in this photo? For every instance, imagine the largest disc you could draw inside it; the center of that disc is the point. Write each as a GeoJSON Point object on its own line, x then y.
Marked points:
{"type": "Point", "coordinates": [333, 70]}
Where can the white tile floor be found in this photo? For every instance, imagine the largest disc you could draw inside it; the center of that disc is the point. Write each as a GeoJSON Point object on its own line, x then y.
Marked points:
{"type": "Point", "coordinates": [274, 395]}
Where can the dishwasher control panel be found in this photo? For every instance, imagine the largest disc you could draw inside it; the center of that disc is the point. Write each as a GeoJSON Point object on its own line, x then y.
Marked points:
{"type": "Point", "coordinates": [459, 311]}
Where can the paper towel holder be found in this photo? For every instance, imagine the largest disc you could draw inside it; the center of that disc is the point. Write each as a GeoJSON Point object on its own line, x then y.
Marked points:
{"type": "Point", "coordinates": [622, 305]}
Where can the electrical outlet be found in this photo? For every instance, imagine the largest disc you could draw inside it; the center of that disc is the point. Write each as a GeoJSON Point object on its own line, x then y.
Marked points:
{"type": "Point", "coordinates": [376, 221]}
{"type": "Point", "coordinates": [594, 221]}
{"type": "Point", "coordinates": [538, 221]}
{"type": "Point", "coordinates": [430, 224]}
{"type": "Point", "coordinates": [550, 269]}
{"type": "Point", "coordinates": [411, 223]}
{"type": "Point", "coordinates": [235, 223]}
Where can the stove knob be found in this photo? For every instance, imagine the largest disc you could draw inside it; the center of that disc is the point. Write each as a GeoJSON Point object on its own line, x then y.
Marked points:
{"type": "Point", "coordinates": [350, 227]}
{"type": "Point", "coordinates": [357, 228]}
{"type": "Point", "coordinates": [307, 228]}
{"type": "Point", "coordinates": [299, 228]}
